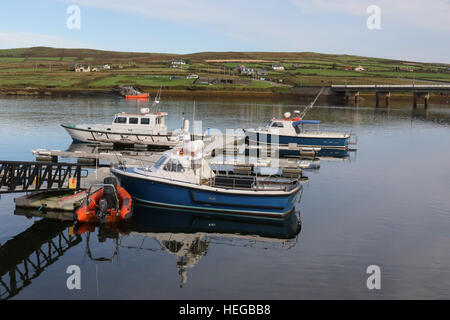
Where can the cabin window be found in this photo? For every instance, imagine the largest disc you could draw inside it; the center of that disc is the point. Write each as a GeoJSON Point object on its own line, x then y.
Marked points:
{"type": "Point", "coordinates": [159, 163]}
{"type": "Point", "coordinates": [174, 166]}
{"type": "Point", "coordinates": [277, 125]}
{"type": "Point", "coordinates": [120, 120]}
{"type": "Point", "coordinates": [158, 120]}
{"type": "Point", "coordinates": [145, 120]}
{"type": "Point", "coordinates": [133, 121]}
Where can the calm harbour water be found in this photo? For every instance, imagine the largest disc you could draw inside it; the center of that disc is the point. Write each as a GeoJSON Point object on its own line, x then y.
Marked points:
{"type": "Point", "coordinates": [388, 205]}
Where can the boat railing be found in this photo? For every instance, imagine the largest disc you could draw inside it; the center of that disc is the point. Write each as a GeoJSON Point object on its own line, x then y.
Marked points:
{"type": "Point", "coordinates": [125, 162]}
{"type": "Point", "coordinates": [253, 183]}
{"type": "Point", "coordinates": [282, 185]}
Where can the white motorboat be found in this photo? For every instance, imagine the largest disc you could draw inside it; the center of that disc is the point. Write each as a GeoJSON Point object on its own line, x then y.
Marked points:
{"type": "Point", "coordinates": [145, 129]}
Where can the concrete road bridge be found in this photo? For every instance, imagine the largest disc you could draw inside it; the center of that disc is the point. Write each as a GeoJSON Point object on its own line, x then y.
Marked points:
{"type": "Point", "coordinates": [384, 91]}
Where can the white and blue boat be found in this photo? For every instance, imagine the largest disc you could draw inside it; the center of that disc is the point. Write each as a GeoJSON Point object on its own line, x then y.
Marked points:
{"type": "Point", "coordinates": [292, 133]}
{"type": "Point", "coordinates": [182, 180]}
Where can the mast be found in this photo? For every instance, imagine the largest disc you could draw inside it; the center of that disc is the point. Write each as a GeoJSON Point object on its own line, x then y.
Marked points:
{"type": "Point", "coordinates": [303, 114]}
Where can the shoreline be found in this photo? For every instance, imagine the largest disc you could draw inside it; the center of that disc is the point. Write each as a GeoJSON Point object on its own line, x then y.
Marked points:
{"type": "Point", "coordinates": [298, 94]}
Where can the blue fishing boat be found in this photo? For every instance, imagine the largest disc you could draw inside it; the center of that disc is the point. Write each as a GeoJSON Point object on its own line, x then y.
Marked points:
{"type": "Point", "coordinates": [291, 133]}
{"type": "Point", "coordinates": [182, 179]}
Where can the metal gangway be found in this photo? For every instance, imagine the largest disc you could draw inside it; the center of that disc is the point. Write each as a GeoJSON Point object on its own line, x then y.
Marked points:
{"type": "Point", "coordinates": [19, 176]}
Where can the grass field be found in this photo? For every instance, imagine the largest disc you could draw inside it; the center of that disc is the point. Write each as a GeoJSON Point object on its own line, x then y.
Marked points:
{"type": "Point", "coordinates": [43, 67]}
{"type": "Point", "coordinates": [141, 80]}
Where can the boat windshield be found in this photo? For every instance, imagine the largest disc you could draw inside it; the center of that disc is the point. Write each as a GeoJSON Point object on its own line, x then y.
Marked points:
{"type": "Point", "coordinates": [174, 165]}
{"type": "Point", "coordinates": [276, 124]}
{"type": "Point", "coordinates": [159, 163]}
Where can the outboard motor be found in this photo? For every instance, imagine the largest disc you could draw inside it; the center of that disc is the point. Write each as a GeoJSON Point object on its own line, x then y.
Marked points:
{"type": "Point", "coordinates": [109, 200]}
{"type": "Point", "coordinates": [110, 193]}
{"type": "Point", "coordinates": [103, 208]}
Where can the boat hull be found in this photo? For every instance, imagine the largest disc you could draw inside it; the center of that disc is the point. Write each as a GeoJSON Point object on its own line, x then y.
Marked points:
{"type": "Point", "coordinates": [214, 200]}
{"type": "Point", "coordinates": [137, 96]}
{"type": "Point", "coordinates": [99, 136]}
{"type": "Point", "coordinates": [301, 141]}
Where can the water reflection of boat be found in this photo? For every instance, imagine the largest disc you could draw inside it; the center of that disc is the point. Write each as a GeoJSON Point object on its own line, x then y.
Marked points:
{"type": "Point", "coordinates": [186, 235]}
{"type": "Point", "coordinates": [156, 220]}
{"type": "Point", "coordinates": [189, 236]}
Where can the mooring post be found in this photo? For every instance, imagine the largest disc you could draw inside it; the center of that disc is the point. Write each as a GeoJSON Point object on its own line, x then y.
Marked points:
{"type": "Point", "coordinates": [388, 99]}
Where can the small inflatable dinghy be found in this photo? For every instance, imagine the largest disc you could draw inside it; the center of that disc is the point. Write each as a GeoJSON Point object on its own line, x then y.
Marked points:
{"type": "Point", "coordinates": [108, 203]}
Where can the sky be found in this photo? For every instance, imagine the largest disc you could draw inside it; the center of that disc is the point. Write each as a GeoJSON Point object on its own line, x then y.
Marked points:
{"type": "Point", "coordinates": [415, 30]}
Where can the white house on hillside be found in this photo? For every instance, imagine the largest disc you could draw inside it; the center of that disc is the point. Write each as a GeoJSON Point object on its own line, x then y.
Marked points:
{"type": "Point", "coordinates": [82, 68]}
{"type": "Point", "coordinates": [278, 67]}
{"type": "Point", "coordinates": [359, 68]}
{"type": "Point", "coordinates": [241, 69]}
{"type": "Point", "coordinates": [178, 62]}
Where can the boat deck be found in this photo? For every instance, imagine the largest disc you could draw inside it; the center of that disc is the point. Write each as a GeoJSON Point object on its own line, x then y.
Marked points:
{"type": "Point", "coordinates": [254, 183]}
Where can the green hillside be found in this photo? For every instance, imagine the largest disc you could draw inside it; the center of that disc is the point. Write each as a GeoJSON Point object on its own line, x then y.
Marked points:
{"type": "Point", "coordinates": [43, 67]}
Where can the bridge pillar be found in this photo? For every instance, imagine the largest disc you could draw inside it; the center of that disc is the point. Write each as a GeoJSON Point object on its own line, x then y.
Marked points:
{"type": "Point", "coordinates": [418, 95]}
{"type": "Point", "coordinates": [353, 95]}
{"type": "Point", "coordinates": [387, 96]}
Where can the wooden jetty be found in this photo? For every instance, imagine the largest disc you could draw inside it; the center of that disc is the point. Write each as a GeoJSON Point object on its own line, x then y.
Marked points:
{"type": "Point", "coordinates": [89, 158]}
{"type": "Point", "coordinates": [266, 151]}
{"type": "Point", "coordinates": [62, 200]}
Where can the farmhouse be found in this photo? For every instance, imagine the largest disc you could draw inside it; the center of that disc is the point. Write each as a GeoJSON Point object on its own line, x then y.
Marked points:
{"type": "Point", "coordinates": [359, 68]}
{"type": "Point", "coordinates": [262, 72]}
{"type": "Point", "coordinates": [278, 67]}
{"type": "Point", "coordinates": [82, 68]}
{"type": "Point", "coordinates": [241, 69]}
{"type": "Point", "coordinates": [106, 67]}
{"type": "Point", "coordinates": [178, 62]}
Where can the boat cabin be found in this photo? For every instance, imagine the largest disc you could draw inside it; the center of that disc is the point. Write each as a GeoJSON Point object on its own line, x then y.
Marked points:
{"type": "Point", "coordinates": [183, 163]}
{"type": "Point", "coordinates": [155, 121]}
{"type": "Point", "coordinates": [289, 127]}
